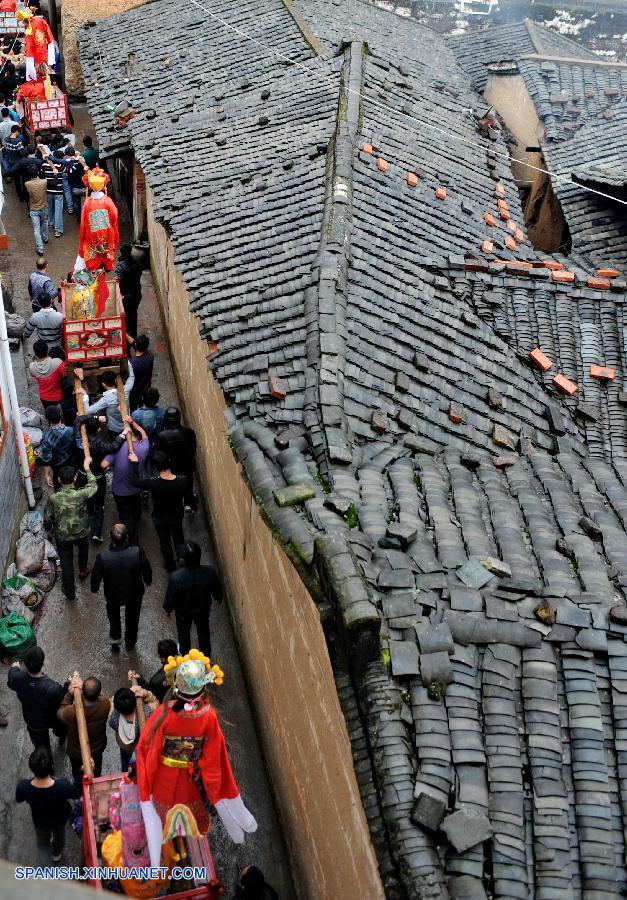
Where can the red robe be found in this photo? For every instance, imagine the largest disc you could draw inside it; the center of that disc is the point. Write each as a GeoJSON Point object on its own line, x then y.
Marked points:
{"type": "Point", "coordinates": [36, 43]}
{"type": "Point", "coordinates": [99, 236]}
{"type": "Point", "coordinates": [169, 786]}
{"type": "Point", "coordinates": [8, 5]}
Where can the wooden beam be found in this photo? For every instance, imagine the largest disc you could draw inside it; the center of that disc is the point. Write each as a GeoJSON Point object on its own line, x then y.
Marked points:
{"type": "Point", "coordinates": [83, 736]}
{"type": "Point", "coordinates": [574, 61]}
{"type": "Point", "coordinates": [123, 409]}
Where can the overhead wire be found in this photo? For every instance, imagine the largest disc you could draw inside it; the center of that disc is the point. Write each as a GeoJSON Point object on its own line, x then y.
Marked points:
{"type": "Point", "coordinates": [561, 177]}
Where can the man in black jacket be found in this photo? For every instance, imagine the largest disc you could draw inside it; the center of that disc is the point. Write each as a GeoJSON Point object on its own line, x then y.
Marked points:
{"type": "Point", "coordinates": [191, 591]}
{"type": "Point", "coordinates": [128, 271]}
{"type": "Point", "coordinates": [40, 697]}
{"type": "Point", "coordinates": [179, 445]}
{"type": "Point", "coordinates": [124, 571]}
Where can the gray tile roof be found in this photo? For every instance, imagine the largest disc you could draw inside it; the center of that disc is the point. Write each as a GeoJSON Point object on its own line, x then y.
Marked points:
{"type": "Point", "coordinates": [476, 49]}
{"type": "Point", "coordinates": [461, 522]}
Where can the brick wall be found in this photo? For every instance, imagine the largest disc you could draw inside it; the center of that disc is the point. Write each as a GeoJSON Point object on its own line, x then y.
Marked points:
{"type": "Point", "coordinates": [278, 630]}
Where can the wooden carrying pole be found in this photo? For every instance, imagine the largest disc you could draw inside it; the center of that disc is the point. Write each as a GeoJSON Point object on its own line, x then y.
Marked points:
{"type": "Point", "coordinates": [141, 715]}
{"type": "Point", "coordinates": [80, 408]}
{"type": "Point", "coordinates": [123, 409]}
{"type": "Point", "coordinates": [83, 736]}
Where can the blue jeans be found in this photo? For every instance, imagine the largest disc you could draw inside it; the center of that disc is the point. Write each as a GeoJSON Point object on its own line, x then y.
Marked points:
{"type": "Point", "coordinates": [55, 212]}
{"type": "Point", "coordinates": [39, 218]}
{"type": "Point", "coordinates": [67, 193]}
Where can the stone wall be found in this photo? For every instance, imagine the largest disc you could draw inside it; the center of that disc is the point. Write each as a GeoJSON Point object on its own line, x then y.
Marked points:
{"type": "Point", "coordinates": [281, 641]}
{"type": "Point", "coordinates": [74, 14]}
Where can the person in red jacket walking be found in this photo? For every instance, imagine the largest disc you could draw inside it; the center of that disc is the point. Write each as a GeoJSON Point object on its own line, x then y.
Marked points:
{"type": "Point", "coordinates": [99, 236]}
{"type": "Point", "coordinates": [47, 373]}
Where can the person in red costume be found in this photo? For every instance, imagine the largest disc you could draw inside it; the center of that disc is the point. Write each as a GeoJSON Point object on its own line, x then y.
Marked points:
{"type": "Point", "coordinates": [98, 236]}
{"type": "Point", "coordinates": [38, 44]}
{"type": "Point", "coordinates": [8, 6]}
{"type": "Point", "coordinates": [183, 767]}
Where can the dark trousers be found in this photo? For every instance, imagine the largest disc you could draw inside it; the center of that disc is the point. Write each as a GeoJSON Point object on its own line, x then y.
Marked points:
{"type": "Point", "coordinates": [131, 305]}
{"type": "Point", "coordinates": [125, 759]}
{"type": "Point", "coordinates": [131, 621]}
{"type": "Point", "coordinates": [97, 758]}
{"type": "Point", "coordinates": [95, 506]}
{"type": "Point", "coordinates": [184, 628]}
{"type": "Point", "coordinates": [41, 736]}
{"type": "Point", "coordinates": [170, 539]}
{"type": "Point", "coordinates": [50, 842]}
{"type": "Point", "coordinates": [190, 499]}
{"type": "Point", "coordinates": [66, 555]}
{"type": "Point", "coordinates": [129, 511]}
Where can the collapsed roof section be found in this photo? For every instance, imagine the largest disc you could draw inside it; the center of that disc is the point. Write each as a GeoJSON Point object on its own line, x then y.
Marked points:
{"type": "Point", "coordinates": [465, 520]}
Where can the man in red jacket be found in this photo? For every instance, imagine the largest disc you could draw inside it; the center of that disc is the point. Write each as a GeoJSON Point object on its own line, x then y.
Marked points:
{"type": "Point", "coordinates": [47, 373]}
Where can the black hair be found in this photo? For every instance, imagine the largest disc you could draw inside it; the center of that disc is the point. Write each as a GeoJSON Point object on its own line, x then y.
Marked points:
{"type": "Point", "coordinates": [108, 378]}
{"type": "Point", "coordinates": [160, 461]}
{"type": "Point", "coordinates": [88, 141]}
{"type": "Point", "coordinates": [40, 762]}
{"type": "Point", "coordinates": [191, 553]}
{"type": "Point", "coordinates": [142, 343]}
{"type": "Point", "coordinates": [124, 701]}
{"type": "Point", "coordinates": [5, 112]}
{"type": "Point", "coordinates": [172, 417]}
{"type": "Point", "coordinates": [92, 424]}
{"type": "Point", "coordinates": [53, 414]}
{"type": "Point", "coordinates": [40, 349]}
{"type": "Point", "coordinates": [67, 475]}
{"type": "Point", "coordinates": [166, 647]}
{"type": "Point", "coordinates": [252, 884]}
{"type": "Point", "coordinates": [41, 261]}
{"type": "Point", "coordinates": [70, 151]}
{"type": "Point", "coordinates": [150, 397]}
{"type": "Point", "coordinates": [34, 660]}
{"type": "Point", "coordinates": [125, 251]}
{"type": "Point", "coordinates": [15, 128]}
{"type": "Point", "coordinates": [91, 688]}
{"type": "Point", "coordinates": [45, 299]}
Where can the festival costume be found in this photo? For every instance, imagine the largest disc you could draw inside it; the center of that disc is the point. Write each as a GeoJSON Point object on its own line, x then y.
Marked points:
{"type": "Point", "coordinates": [98, 236]}
{"type": "Point", "coordinates": [183, 767]}
{"type": "Point", "coordinates": [39, 47]}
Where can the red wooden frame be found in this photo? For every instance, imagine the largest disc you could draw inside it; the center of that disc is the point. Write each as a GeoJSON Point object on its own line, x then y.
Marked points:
{"type": "Point", "coordinates": [32, 107]}
{"type": "Point", "coordinates": [74, 329]}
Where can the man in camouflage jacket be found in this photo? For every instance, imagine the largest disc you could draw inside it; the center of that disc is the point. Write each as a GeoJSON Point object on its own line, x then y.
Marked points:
{"type": "Point", "coordinates": [66, 519]}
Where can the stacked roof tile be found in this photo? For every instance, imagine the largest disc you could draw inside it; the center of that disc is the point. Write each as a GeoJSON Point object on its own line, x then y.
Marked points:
{"type": "Point", "coordinates": [463, 519]}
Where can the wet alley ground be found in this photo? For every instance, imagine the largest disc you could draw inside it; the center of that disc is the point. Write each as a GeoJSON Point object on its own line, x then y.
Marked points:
{"type": "Point", "coordinates": [75, 635]}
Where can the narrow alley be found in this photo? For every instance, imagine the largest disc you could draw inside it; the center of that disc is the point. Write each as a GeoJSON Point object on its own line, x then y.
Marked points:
{"type": "Point", "coordinates": [75, 635]}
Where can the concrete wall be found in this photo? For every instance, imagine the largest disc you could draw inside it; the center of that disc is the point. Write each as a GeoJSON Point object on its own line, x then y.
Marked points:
{"type": "Point", "coordinates": [74, 14]}
{"type": "Point", "coordinates": [281, 641]}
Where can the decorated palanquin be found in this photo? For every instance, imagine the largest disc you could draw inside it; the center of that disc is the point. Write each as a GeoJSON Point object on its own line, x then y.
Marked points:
{"type": "Point", "coordinates": [99, 237]}
{"type": "Point", "coordinates": [183, 769]}
{"type": "Point", "coordinates": [94, 326]}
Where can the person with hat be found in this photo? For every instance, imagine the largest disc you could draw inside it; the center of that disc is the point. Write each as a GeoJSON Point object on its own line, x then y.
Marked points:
{"type": "Point", "coordinates": [183, 767]}
{"type": "Point", "coordinates": [99, 236]}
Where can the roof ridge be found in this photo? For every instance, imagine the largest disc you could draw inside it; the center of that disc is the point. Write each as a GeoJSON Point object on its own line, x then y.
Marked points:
{"type": "Point", "coordinates": [325, 305]}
